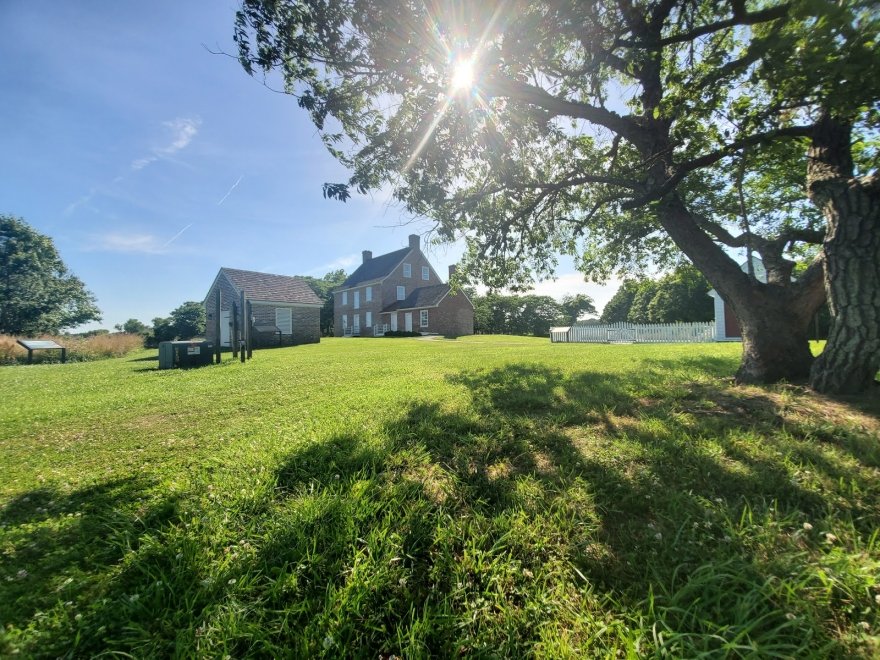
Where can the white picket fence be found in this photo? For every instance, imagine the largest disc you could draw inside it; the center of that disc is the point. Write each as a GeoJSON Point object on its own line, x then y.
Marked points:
{"type": "Point", "coordinates": [635, 333]}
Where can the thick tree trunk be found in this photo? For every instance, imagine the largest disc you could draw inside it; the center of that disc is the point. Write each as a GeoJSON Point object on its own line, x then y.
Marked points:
{"type": "Point", "coordinates": [775, 342]}
{"type": "Point", "coordinates": [774, 318]}
{"type": "Point", "coordinates": [851, 207]}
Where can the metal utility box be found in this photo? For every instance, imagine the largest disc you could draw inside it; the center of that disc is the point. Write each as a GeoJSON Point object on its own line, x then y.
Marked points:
{"type": "Point", "coordinates": [185, 354]}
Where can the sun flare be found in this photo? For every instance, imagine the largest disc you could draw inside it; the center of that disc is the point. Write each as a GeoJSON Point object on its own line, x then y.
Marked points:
{"type": "Point", "coordinates": [462, 75]}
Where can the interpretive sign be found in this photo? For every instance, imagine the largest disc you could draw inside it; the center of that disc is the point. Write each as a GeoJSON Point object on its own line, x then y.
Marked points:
{"type": "Point", "coordinates": [41, 344]}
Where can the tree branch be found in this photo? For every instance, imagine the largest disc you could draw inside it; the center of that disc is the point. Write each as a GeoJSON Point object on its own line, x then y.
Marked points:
{"type": "Point", "coordinates": [740, 17]}
{"type": "Point", "coordinates": [506, 88]}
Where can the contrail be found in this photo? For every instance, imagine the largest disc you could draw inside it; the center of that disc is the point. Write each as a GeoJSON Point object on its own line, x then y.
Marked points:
{"type": "Point", "coordinates": [229, 192]}
{"type": "Point", "coordinates": [177, 235]}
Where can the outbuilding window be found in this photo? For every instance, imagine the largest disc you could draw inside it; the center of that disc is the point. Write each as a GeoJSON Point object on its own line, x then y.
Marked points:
{"type": "Point", "coordinates": [401, 293]}
{"type": "Point", "coordinates": [284, 320]}
{"type": "Point", "coordinates": [423, 318]}
{"type": "Point", "coordinates": [407, 270]}
{"type": "Point", "coordinates": [426, 273]}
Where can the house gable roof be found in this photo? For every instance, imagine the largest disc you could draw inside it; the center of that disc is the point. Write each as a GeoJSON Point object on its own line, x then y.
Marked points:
{"type": "Point", "coordinates": [272, 288]}
{"type": "Point", "coordinates": [376, 268]}
{"type": "Point", "coordinates": [424, 296]}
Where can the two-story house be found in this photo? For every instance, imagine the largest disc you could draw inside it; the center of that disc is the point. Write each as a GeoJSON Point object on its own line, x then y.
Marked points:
{"type": "Point", "coordinates": [400, 291]}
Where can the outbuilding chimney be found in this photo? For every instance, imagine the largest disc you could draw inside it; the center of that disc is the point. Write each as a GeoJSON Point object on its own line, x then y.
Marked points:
{"type": "Point", "coordinates": [367, 255]}
{"type": "Point", "coordinates": [451, 270]}
{"type": "Point", "coordinates": [413, 241]}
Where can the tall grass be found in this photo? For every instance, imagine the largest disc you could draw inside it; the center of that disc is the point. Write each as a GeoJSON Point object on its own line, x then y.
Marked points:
{"type": "Point", "coordinates": [79, 349]}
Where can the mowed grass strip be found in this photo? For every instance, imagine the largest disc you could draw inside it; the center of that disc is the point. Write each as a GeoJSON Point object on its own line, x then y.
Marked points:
{"type": "Point", "coordinates": [489, 496]}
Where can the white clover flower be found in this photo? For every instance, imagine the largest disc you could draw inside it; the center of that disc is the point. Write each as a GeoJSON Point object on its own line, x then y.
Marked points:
{"type": "Point", "coordinates": [658, 536]}
{"type": "Point", "coordinates": [808, 527]}
{"type": "Point", "coordinates": [232, 581]}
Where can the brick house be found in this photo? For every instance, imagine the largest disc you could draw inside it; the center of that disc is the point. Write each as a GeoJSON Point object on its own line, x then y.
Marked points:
{"type": "Point", "coordinates": [285, 309]}
{"type": "Point", "coordinates": [400, 291]}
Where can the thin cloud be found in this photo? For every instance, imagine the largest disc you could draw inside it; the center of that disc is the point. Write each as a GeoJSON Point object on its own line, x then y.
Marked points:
{"type": "Point", "coordinates": [183, 131]}
{"type": "Point", "coordinates": [128, 243]}
{"type": "Point", "coordinates": [345, 263]}
{"type": "Point", "coordinates": [229, 192]}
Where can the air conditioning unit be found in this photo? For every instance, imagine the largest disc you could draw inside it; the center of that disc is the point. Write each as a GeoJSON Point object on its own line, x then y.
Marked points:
{"type": "Point", "coordinates": [185, 354]}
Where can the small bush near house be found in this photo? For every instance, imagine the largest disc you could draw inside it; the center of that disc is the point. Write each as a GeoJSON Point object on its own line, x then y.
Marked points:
{"type": "Point", "coordinates": [402, 333]}
{"type": "Point", "coordinates": [79, 348]}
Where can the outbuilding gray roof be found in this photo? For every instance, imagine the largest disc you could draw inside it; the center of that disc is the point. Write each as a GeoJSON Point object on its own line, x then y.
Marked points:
{"type": "Point", "coordinates": [375, 268]}
{"type": "Point", "coordinates": [424, 296]}
{"type": "Point", "coordinates": [272, 288]}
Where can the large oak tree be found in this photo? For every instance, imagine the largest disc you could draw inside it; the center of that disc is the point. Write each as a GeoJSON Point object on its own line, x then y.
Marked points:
{"type": "Point", "coordinates": [613, 130]}
{"type": "Point", "coordinates": [38, 294]}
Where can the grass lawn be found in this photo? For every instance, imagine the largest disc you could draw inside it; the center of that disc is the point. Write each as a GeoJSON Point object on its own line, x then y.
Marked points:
{"type": "Point", "coordinates": [490, 496]}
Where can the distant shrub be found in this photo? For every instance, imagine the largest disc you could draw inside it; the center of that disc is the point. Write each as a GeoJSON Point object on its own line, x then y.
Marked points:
{"type": "Point", "coordinates": [79, 348]}
{"type": "Point", "coordinates": [402, 333]}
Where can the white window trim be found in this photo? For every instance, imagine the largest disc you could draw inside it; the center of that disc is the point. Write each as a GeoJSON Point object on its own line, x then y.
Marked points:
{"type": "Point", "coordinates": [426, 273]}
{"type": "Point", "coordinates": [407, 270]}
{"type": "Point", "coordinates": [357, 299]}
{"type": "Point", "coordinates": [401, 293]}
{"type": "Point", "coordinates": [345, 297]}
{"type": "Point", "coordinates": [369, 294]}
{"type": "Point", "coordinates": [423, 318]}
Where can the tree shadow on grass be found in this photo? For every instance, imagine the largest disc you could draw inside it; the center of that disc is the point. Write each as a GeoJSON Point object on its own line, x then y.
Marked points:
{"type": "Point", "coordinates": [61, 548]}
{"type": "Point", "coordinates": [571, 480]}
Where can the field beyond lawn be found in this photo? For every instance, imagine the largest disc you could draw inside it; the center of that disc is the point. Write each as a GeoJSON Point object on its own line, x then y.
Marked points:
{"type": "Point", "coordinates": [489, 496]}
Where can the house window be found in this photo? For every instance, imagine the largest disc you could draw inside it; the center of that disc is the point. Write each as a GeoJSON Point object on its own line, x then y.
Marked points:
{"type": "Point", "coordinates": [426, 273]}
{"type": "Point", "coordinates": [357, 299]}
{"type": "Point", "coordinates": [401, 292]}
{"type": "Point", "coordinates": [357, 322]}
{"type": "Point", "coordinates": [345, 320]}
{"type": "Point", "coordinates": [345, 297]}
{"type": "Point", "coordinates": [369, 294]}
{"type": "Point", "coordinates": [369, 321]}
{"type": "Point", "coordinates": [284, 320]}
{"type": "Point", "coordinates": [423, 318]}
{"type": "Point", "coordinates": [407, 270]}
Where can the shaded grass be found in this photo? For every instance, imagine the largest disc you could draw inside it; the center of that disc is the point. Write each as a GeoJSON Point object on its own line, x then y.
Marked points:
{"type": "Point", "coordinates": [488, 496]}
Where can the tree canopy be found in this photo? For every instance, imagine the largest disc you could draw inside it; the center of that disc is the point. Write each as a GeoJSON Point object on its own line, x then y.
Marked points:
{"type": "Point", "coordinates": [496, 313]}
{"type": "Point", "coordinates": [617, 132]}
{"type": "Point", "coordinates": [323, 287]}
{"type": "Point", "coordinates": [681, 296]}
{"type": "Point", "coordinates": [38, 294]}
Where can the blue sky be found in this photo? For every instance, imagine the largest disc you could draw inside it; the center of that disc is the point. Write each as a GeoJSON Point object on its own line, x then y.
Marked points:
{"type": "Point", "coordinates": [152, 162]}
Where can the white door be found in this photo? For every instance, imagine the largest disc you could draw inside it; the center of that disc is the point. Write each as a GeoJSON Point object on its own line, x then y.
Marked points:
{"type": "Point", "coordinates": [225, 327]}
{"type": "Point", "coordinates": [407, 320]}
{"type": "Point", "coordinates": [394, 322]}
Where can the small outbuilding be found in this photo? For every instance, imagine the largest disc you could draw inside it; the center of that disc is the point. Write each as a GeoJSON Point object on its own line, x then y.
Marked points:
{"type": "Point", "coordinates": [726, 324]}
{"type": "Point", "coordinates": [284, 310]}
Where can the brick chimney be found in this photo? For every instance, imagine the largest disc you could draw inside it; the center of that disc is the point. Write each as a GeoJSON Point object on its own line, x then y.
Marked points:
{"type": "Point", "coordinates": [367, 255]}
{"type": "Point", "coordinates": [451, 270]}
{"type": "Point", "coordinates": [413, 241]}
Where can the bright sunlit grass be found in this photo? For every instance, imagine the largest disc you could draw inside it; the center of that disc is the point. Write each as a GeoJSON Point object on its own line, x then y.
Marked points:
{"type": "Point", "coordinates": [485, 497]}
